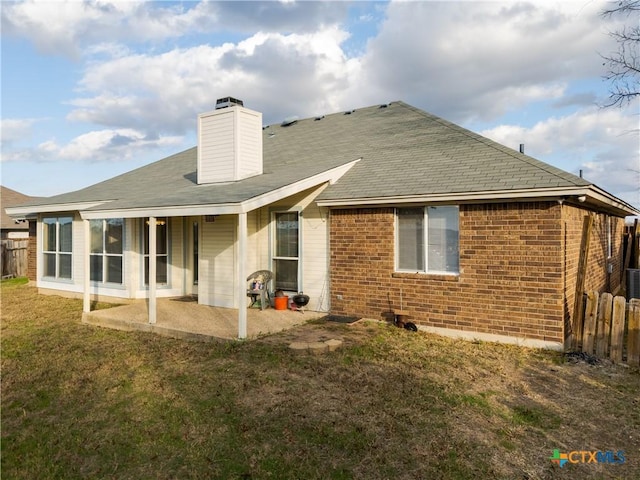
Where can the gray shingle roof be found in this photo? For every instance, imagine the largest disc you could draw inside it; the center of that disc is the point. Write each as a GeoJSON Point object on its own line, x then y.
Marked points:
{"type": "Point", "coordinates": [404, 151]}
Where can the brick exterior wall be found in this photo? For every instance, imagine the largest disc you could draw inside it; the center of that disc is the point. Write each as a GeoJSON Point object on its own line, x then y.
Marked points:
{"type": "Point", "coordinates": [32, 253]}
{"type": "Point", "coordinates": [597, 276]}
{"type": "Point", "coordinates": [512, 281]}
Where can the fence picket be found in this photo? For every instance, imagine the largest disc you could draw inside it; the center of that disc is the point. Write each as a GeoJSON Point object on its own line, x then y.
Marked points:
{"type": "Point", "coordinates": [603, 325]}
{"type": "Point", "coordinates": [617, 329]}
{"type": "Point", "coordinates": [633, 342]}
{"type": "Point", "coordinates": [590, 314]}
{"type": "Point", "coordinates": [13, 257]}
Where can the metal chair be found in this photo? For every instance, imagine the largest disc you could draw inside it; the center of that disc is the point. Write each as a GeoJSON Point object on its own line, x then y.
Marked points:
{"type": "Point", "coordinates": [259, 287]}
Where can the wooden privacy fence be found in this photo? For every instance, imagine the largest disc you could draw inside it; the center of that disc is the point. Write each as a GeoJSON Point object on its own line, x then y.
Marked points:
{"type": "Point", "coordinates": [611, 328]}
{"type": "Point", "coordinates": [13, 255]}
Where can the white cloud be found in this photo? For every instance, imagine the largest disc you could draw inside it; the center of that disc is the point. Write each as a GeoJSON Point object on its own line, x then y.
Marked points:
{"type": "Point", "coordinates": [275, 73]}
{"type": "Point", "coordinates": [15, 129]}
{"type": "Point", "coordinates": [110, 145]}
{"type": "Point", "coordinates": [72, 27]}
{"type": "Point", "coordinates": [478, 60]}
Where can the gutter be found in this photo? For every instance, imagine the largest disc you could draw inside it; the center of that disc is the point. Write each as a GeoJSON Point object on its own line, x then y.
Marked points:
{"type": "Point", "coordinates": [590, 195]}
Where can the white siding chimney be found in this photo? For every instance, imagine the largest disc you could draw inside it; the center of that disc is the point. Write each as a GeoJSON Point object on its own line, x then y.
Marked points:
{"type": "Point", "coordinates": [229, 144]}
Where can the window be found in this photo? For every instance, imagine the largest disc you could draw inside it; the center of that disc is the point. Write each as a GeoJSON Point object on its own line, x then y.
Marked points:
{"type": "Point", "coordinates": [427, 239]}
{"type": "Point", "coordinates": [162, 250]}
{"type": "Point", "coordinates": [106, 250]}
{"type": "Point", "coordinates": [57, 241]}
{"type": "Point", "coordinates": [285, 258]}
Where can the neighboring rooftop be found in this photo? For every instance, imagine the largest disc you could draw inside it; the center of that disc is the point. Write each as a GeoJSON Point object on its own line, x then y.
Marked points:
{"type": "Point", "coordinates": [404, 151]}
{"type": "Point", "coordinates": [9, 198]}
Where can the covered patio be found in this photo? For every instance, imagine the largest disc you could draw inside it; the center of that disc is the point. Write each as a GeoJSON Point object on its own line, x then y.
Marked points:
{"type": "Point", "coordinates": [184, 318]}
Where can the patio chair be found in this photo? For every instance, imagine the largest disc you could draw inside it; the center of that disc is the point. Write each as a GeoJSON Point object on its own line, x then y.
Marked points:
{"type": "Point", "coordinates": [259, 287]}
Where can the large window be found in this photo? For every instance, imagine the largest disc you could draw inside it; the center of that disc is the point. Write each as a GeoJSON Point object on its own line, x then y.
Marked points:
{"type": "Point", "coordinates": [162, 250]}
{"type": "Point", "coordinates": [427, 239]}
{"type": "Point", "coordinates": [57, 242]}
{"type": "Point", "coordinates": [106, 250]}
{"type": "Point", "coordinates": [285, 255]}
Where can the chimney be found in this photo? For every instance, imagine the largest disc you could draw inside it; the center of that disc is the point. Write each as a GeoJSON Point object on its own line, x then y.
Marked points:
{"type": "Point", "coordinates": [229, 143]}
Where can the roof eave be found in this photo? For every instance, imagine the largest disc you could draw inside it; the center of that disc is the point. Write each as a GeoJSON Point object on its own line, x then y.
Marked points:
{"type": "Point", "coordinates": [328, 176]}
{"type": "Point", "coordinates": [32, 211]}
{"type": "Point", "coordinates": [590, 195]}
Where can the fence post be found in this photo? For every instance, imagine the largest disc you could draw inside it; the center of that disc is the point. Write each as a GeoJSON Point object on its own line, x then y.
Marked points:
{"type": "Point", "coordinates": [617, 329]}
{"type": "Point", "coordinates": [590, 315]}
{"type": "Point", "coordinates": [633, 343]}
{"type": "Point", "coordinates": [578, 304]}
{"type": "Point", "coordinates": [603, 327]}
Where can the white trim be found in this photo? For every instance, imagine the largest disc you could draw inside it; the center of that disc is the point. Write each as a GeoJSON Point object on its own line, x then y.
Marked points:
{"type": "Point", "coordinates": [241, 262]}
{"type": "Point", "coordinates": [491, 337]}
{"type": "Point", "coordinates": [52, 208]}
{"type": "Point", "coordinates": [152, 270]}
{"type": "Point", "coordinates": [592, 194]}
{"type": "Point", "coordinates": [86, 258]}
{"type": "Point", "coordinates": [273, 246]}
{"type": "Point", "coordinates": [224, 208]}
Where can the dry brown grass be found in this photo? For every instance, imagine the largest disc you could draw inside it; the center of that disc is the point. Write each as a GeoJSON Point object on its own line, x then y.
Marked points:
{"type": "Point", "coordinates": [84, 402]}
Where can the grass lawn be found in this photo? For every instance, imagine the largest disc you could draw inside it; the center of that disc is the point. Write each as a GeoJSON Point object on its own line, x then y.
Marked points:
{"type": "Point", "coordinates": [85, 402]}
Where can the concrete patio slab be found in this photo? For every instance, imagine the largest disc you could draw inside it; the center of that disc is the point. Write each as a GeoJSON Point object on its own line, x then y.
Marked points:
{"type": "Point", "coordinates": [184, 318]}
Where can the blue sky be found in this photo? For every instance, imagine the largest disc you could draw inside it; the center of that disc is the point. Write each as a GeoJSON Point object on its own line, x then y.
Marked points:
{"type": "Point", "coordinates": [94, 89]}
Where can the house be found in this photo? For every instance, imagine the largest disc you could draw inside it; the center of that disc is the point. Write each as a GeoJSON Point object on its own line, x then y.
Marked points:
{"type": "Point", "coordinates": [364, 210]}
{"type": "Point", "coordinates": [17, 237]}
{"type": "Point", "coordinates": [11, 228]}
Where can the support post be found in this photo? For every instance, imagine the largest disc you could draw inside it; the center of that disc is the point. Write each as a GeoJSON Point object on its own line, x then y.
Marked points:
{"type": "Point", "coordinates": [152, 270]}
{"type": "Point", "coordinates": [86, 283]}
{"type": "Point", "coordinates": [241, 275]}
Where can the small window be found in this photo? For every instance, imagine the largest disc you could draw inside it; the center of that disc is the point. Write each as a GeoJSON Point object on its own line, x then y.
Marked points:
{"type": "Point", "coordinates": [57, 246]}
{"type": "Point", "coordinates": [427, 239]}
{"type": "Point", "coordinates": [106, 250]}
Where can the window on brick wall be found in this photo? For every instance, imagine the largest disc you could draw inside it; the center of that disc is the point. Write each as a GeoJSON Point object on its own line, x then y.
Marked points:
{"type": "Point", "coordinates": [427, 239]}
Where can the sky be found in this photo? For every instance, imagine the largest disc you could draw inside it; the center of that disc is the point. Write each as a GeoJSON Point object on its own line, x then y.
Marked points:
{"type": "Point", "coordinates": [94, 89]}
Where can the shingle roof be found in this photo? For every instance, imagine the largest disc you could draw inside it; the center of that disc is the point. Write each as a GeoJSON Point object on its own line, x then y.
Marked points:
{"type": "Point", "coordinates": [410, 152]}
{"type": "Point", "coordinates": [404, 151]}
{"type": "Point", "coordinates": [8, 198]}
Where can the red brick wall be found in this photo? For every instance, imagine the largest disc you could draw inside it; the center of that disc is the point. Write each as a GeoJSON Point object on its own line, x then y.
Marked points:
{"type": "Point", "coordinates": [510, 283]}
{"type": "Point", "coordinates": [32, 254]}
{"type": "Point", "coordinates": [518, 266]}
{"type": "Point", "coordinates": [597, 276]}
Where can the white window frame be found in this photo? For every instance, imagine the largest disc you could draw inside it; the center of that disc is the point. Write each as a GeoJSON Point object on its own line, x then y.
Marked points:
{"type": "Point", "coordinates": [145, 251]}
{"type": "Point", "coordinates": [58, 253]}
{"type": "Point", "coordinates": [105, 255]}
{"type": "Point", "coordinates": [274, 247]}
{"type": "Point", "coordinates": [425, 243]}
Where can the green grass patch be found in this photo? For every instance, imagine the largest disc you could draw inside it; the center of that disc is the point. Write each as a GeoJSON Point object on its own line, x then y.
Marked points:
{"type": "Point", "coordinates": [12, 282]}
{"type": "Point", "coordinates": [85, 402]}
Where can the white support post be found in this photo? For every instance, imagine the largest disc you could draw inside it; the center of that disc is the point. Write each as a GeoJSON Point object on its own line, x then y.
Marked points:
{"type": "Point", "coordinates": [86, 283]}
{"type": "Point", "coordinates": [241, 274]}
{"type": "Point", "coordinates": [152, 270]}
